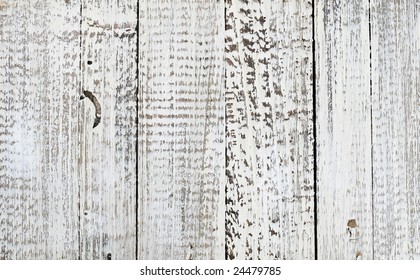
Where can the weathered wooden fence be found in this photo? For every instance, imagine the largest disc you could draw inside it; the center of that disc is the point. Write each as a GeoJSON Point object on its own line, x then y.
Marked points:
{"type": "Point", "coordinates": [238, 129]}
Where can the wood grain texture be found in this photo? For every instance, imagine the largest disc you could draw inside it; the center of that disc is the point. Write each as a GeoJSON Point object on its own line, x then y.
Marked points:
{"type": "Point", "coordinates": [269, 131]}
{"type": "Point", "coordinates": [181, 141]}
{"type": "Point", "coordinates": [204, 149]}
{"type": "Point", "coordinates": [107, 159]}
{"type": "Point", "coordinates": [343, 122]}
{"type": "Point", "coordinates": [39, 83]}
{"type": "Point", "coordinates": [396, 128]}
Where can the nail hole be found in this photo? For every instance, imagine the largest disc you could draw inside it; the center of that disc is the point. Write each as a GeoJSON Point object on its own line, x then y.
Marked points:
{"type": "Point", "coordinates": [89, 62]}
{"type": "Point", "coordinates": [85, 213]}
{"type": "Point", "coordinates": [108, 257]}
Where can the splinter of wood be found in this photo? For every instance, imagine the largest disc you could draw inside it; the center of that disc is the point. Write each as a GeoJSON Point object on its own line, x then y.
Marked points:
{"type": "Point", "coordinates": [95, 102]}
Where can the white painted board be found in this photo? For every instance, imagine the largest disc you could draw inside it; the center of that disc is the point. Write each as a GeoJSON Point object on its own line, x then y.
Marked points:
{"type": "Point", "coordinates": [181, 136]}
{"type": "Point", "coordinates": [396, 128]}
{"type": "Point", "coordinates": [269, 130]}
{"type": "Point", "coordinates": [343, 130]}
{"type": "Point", "coordinates": [107, 169]}
{"type": "Point", "coordinates": [39, 85]}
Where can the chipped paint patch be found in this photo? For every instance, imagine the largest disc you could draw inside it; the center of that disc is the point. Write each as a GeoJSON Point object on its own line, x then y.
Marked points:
{"type": "Point", "coordinates": [3, 5]}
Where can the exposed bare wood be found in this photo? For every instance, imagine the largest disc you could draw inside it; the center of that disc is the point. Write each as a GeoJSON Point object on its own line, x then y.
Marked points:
{"type": "Point", "coordinates": [181, 144]}
{"type": "Point", "coordinates": [269, 156]}
{"type": "Point", "coordinates": [107, 167]}
{"type": "Point", "coordinates": [39, 83]}
{"type": "Point", "coordinates": [343, 130]}
{"type": "Point", "coordinates": [396, 128]}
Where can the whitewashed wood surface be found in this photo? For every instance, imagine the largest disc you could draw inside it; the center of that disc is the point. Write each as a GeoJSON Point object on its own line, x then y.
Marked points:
{"type": "Point", "coordinates": [181, 120]}
{"type": "Point", "coordinates": [343, 132]}
{"type": "Point", "coordinates": [237, 129]}
{"type": "Point", "coordinates": [269, 139]}
{"type": "Point", "coordinates": [39, 150]}
{"type": "Point", "coordinates": [396, 128]}
{"type": "Point", "coordinates": [107, 162]}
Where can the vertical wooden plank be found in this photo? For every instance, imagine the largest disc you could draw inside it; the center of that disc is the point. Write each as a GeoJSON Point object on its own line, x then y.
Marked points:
{"type": "Point", "coordinates": [108, 151]}
{"type": "Point", "coordinates": [396, 127]}
{"type": "Point", "coordinates": [181, 145]}
{"type": "Point", "coordinates": [343, 130]}
{"type": "Point", "coordinates": [270, 188]}
{"type": "Point", "coordinates": [39, 84]}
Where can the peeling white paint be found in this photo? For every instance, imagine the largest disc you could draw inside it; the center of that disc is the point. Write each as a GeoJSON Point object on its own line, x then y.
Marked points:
{"type": "Point", "coordinates": [225, 156]}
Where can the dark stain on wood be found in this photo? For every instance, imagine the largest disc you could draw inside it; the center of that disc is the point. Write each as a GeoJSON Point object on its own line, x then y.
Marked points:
{"type": "Point", "coordinates": [352, 223]}
{"type": "Point", "coordinates": [358, 255]}
{"type": "Point", "coordinates": [97, 105]}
